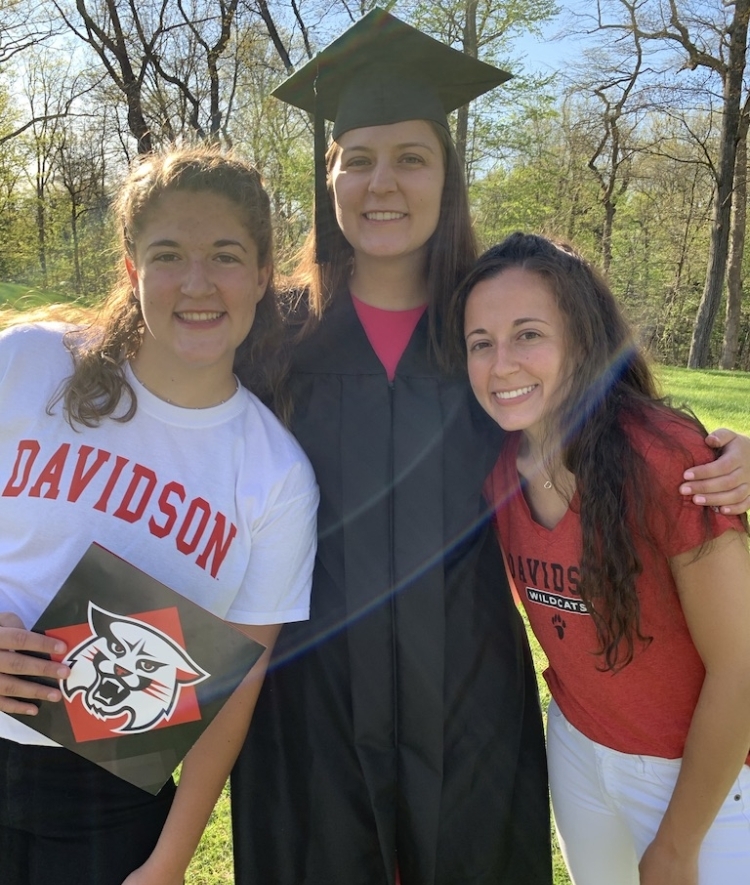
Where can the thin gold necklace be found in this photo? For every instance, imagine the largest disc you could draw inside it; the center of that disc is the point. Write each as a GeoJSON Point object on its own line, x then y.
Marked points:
{"type": "Point", "coordinates": [540, 470]}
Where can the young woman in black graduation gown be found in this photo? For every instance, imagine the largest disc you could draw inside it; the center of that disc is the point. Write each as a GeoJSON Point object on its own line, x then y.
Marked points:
{"type": "Point", "coordinates": [398, 736]}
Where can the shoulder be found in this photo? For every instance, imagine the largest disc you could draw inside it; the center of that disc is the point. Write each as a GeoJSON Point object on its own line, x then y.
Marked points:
{"type": "Point", "coordinates": [27, 335]}
{"type": "Point", "coordinates": [41, 345]}
{"type": "Point", "coordinates": [269, 442]}
{"type": "Point", "coordinates": [667, 439]}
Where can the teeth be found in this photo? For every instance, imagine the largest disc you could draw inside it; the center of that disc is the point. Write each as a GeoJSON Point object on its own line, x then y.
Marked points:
{"type": "Point", "coordinates": [512, 394]}
{"type": "Point", "coordinates": [384, 216]}
{"type": "Point", "coordinates": [194, 316]}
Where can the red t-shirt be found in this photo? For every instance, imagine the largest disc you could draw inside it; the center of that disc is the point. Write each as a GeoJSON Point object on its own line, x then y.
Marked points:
{"type": "Point", "coordinates": [646, 707]}
{"type": "Point", "coordinates": [388, 331]}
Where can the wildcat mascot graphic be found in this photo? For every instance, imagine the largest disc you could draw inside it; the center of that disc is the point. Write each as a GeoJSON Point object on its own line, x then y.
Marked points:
{"type": "Point", "coordinates": [127, 667]}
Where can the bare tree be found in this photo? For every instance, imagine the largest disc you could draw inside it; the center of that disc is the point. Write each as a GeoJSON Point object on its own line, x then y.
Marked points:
{"type": "Point", "coordinates": [104, 30]}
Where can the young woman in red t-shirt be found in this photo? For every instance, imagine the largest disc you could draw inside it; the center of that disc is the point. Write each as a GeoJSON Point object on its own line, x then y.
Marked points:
{"type": "Point", "coordinates": [640, 599]}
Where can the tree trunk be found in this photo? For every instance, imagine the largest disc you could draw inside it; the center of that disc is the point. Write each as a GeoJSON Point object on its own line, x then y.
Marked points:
{"type": "Point", "coordinates": [471, 48]}
{"type": "Point", "coordinates": [41, 227]}
{"type": "Point", "coordinates": [717, 258]}
{"type": "Point", "coordinates": [734, 274]}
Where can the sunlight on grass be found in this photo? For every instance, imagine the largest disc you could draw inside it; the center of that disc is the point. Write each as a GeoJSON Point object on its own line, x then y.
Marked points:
{"type": "Point", "coordinates": [719, 399]}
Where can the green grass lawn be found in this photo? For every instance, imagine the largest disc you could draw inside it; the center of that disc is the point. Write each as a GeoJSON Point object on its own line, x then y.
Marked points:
{"type": "Point", "coordinates": [24, 297]}
{"type": "Point", "coordinates": [718, 398]}
{"type": "Point", "coordinates": [17, 301]}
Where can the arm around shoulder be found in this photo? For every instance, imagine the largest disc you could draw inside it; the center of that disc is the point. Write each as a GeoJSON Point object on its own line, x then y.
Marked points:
{"type": "Point", "coordinates": [725, 482]}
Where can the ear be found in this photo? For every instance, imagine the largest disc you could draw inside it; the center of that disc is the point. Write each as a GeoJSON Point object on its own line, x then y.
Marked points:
{"type": "Point", "coordinates": [132, 274]}
{"type": "Point", "coordinates": [264, 275]}
{"type": "Point", "coordinates": [100, 621]}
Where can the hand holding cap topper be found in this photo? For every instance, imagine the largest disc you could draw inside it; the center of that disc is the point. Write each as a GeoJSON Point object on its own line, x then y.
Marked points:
{"type": "Point", "coordinates": [380, 71]}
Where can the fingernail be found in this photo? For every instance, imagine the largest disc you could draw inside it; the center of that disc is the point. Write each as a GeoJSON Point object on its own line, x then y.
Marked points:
{"type": "Point", "coordinates": [53, 696]}
{"type": "Point", "coordinates": [60, 648]}
{"type": "Point", "coordinates": [686, 490]}
{"type": "Point", "coordinates": [63, 672]}
{"type": "Point", "coordinates": [699, 499]}
{"type": "Point", "coordinates": [688, 474]}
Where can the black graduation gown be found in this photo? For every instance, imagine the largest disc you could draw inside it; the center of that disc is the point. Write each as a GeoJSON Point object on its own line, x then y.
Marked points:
{"type": "Point", "coordinates": [400, 724]}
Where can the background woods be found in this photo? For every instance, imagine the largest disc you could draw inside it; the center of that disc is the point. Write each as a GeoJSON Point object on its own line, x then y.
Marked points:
{"type": "Point", "coordinates": [633, 144]}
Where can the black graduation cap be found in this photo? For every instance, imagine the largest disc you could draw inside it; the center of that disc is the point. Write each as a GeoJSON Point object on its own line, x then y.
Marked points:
{"type": "Point", "coordinates": [377, 72]}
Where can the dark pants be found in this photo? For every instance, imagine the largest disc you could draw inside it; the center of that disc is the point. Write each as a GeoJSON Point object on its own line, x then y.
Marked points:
{"type": "Point", "coordinates": [65, 820]}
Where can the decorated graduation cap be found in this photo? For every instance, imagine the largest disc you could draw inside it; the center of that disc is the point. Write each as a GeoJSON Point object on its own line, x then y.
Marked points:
{"type": "Point", "coordinates": [377, 72]}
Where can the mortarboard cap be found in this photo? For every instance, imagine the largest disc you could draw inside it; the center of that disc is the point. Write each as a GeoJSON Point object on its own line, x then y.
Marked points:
{"type": "Point", "coordinates": [377, 72]}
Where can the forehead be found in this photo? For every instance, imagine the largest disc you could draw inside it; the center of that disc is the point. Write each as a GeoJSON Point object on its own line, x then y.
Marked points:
{"type": "Point", "coordinates": [194, 213]}
{"type": "Point", "coordinates": [391, 135]}
{"type": "Point", "coordinates": [513, 293]}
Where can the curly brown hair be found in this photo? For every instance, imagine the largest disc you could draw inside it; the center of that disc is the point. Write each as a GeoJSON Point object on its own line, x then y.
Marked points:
{"type": "Point", "coordinates": [100, 350]}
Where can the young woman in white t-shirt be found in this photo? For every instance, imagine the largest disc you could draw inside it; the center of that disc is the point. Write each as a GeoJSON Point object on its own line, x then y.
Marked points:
{"type": "Point", "coordinates": [147, 390]}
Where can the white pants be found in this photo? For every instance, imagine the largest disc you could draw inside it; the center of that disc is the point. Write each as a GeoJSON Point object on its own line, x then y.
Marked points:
{"type": "Point", "coordinates": [608, 807]}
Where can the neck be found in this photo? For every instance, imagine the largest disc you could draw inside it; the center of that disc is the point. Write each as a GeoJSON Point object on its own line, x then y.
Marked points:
{"type": "Point", "coordinates": [540, 461]}
{"type": "Point", "coordinates": [392, 284]}
{"type": "Point", "coordinates": [200, 388]}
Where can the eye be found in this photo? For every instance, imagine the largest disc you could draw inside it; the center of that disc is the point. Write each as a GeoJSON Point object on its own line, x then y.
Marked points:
{"type": "Point", "coordinates": [149, 666]}
{"type": "Point", "coordinates": [476, 346]}
{"type": "Point", "coordinates": [356, 161]}
{"type": "Point", "coordinates": [227, 258]}
{"type": "Point", "coordinates": [529, 335]}
{"type": "Point", "coordinates": [166, 257]}
{"type": "Point", "coordinates": [412, 160]}
{"type": "Point", "coordinates": [116, 648]}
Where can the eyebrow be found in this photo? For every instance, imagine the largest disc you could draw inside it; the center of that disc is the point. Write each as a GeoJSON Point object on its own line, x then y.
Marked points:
{"type": "Point", "coordinates": [519, 322]}
{"type": "Point", "coordinates": [173, 244]}
{"type": "Point", "coordinates": [400, 147]}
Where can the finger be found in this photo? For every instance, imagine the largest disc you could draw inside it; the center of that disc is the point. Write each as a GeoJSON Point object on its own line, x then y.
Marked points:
{"type": "Point", "coordinates": [734, 501]}
{"type": "Point", "coordinates": [721, 477]}
{"type": "Point", "coordinates": [720, 437]}
{"type": "Point", "coordinates": [18, 639]}
{"type": "Point", "coordinates": [14, 691]}
{"type": "Point", "coordinates": [736, 509]}
{"type": "Point", "coordinates": [12, 705]}
{"type": "Point", "coordinates": [19, 665]}
{"type": "Point", "coordinates": [9, 619]}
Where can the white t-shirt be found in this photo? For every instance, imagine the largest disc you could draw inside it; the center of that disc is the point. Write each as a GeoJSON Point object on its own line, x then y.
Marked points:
{"type": "Point", "coordinates": [217, 503]}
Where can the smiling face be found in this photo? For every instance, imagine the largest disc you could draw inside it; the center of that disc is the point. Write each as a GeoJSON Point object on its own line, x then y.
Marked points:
{"type": "Point", "coordinates": [515, 341]}
{"type": "Point", "coordinates": [387, 185]}
{"type": "Point", "coordinates": [195, 272]}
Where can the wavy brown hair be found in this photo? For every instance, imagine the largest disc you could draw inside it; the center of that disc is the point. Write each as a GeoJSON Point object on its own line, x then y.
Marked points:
{"type": "Point", "coordinates": [98, 384]}
{"type": "Point", "coordinates": [609, 385]}
{"type": "Point", "coordinates": [451, 251]}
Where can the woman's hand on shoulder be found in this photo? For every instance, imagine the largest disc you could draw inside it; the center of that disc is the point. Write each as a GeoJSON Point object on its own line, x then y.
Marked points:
{"type": "Point", "coordinates": [15, 689]}
{"type": "Point", "coordinates": [659, 866]}
{"type": "Point", "coordinates": [725, 482]}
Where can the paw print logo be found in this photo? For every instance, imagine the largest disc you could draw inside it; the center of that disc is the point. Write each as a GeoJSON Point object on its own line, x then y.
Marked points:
{"type": "Point", "coordinates": [559, 624]}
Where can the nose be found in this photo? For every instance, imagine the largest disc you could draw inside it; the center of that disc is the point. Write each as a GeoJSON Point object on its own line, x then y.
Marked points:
{"type": "Point", "coordinates": [382, 179]}
{"type": "Point", "coordinates": [197, 281]}
{"type": "Point", "coordinates": [505, 362]}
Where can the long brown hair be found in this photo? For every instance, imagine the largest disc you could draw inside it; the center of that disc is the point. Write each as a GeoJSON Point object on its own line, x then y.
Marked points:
{"type": "Point", "coordinates": [609, 383]}
{"type": "Point", "coordinates": [98, 383]}
{"type": "Point", "coordinates": [451, 251]}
